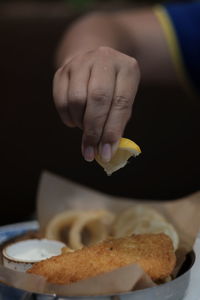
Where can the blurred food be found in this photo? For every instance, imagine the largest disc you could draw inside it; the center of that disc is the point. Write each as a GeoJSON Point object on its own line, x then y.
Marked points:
{"type": "Point", "coordinates": [62, 220]}
{"type": "Point", "coordinates": [82, 228]}
{"type": "Point", "coordinates": [79, 228]}
{"type": "Point", "coordinates": [125, 150]}
{"type": "Point", "coordinates": [93, 221]}
{"type": "Point", "coordinates": [140, 219]}
{"type": "Point", "coordinates": [153, 252]}
{"type": "Point", "coordinates": [22, 255]}
{"type": "Point", "coordinates": [66, 250]}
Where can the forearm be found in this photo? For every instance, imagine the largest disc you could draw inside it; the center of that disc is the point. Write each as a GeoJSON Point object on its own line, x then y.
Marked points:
{"type": "Point", "coordinates": [95, 86]}
{"type": "Point", "coordinates": [136, 33]}
{"type": "Point", "coordinates": [91, 32]}
{"type": "Point", "coordinates": [101, 58]}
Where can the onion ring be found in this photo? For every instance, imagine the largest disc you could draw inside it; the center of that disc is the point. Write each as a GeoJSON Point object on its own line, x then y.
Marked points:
{"type": "Point", "coordinates": [60, 221]}
{"type": "Point", "coordinates": [94, 221]}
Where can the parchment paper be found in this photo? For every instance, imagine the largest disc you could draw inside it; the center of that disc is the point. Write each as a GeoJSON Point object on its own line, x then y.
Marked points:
{"type": "Point", "coordinates": [56, 194]}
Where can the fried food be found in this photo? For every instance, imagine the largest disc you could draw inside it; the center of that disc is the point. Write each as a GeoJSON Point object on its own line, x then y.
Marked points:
{"type": "Point", "coordinates": [140, 219]}
{"type": "Point", "coordinates": [66, 250]}
{"type": "Point", "coordinates": [93, 221]}
{"type": "Point", "coordinates": [153, 252]}
{"type": "Point", "coordinates": [62, 220]}
{"type": "Point", "coordinates": [75, 222]}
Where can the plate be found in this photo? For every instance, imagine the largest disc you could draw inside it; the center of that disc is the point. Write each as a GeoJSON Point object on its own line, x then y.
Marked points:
{"type": "Point", "coordinates": [9, 231]}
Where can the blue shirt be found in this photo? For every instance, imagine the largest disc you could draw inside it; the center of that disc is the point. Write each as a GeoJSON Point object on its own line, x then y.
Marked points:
{"type": "Point", "coordinates": [184, 20]}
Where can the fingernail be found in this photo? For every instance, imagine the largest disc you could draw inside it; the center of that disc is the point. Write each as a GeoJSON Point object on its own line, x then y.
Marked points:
{"type": "Point", "coordinates": [88, 153]}
{"type": "Point", "coordinates": [106, 152]}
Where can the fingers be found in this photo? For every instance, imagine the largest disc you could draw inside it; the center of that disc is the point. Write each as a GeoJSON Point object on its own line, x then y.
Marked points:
{"type": "Point", "coordinates": [120, 112]}
{"type": "Point", "coordinates": [60, 90]}
{"type": "Point", "coordinates": [95, 92]}
{"type": "Point", "coordinates": [77, 94]}
{"type": "Point", "coordinates": [100, 93]}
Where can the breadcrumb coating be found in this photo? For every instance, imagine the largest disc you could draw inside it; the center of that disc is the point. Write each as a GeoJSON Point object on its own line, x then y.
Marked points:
{"type": "Point", "coordinates": [154, 253]}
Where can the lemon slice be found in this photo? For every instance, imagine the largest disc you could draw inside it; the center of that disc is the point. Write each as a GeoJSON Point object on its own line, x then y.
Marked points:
{"type": "Point", "coordinates": [125, 150]}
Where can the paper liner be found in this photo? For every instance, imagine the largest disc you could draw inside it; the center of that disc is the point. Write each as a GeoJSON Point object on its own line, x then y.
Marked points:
{"type": "Point", "coordinates": [118, 281]}
{"type": "Point", "coordinates": [121, 280]}
{"type": "Point", "coordinates": [56, 194]}
{"type": "Point", "coordinates": [20, 280]}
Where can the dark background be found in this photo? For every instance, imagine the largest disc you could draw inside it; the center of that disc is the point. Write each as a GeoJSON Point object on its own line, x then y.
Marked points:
{"type": "Point", "coordinates": [32, 138]}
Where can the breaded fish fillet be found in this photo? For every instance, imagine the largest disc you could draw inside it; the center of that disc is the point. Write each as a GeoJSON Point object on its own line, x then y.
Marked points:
{"type": "Point", "coordinates": [153, 252]}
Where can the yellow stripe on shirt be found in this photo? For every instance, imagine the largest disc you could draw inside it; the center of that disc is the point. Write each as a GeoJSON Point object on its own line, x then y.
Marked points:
{"type": "Point", "coordinates": [174, 48]}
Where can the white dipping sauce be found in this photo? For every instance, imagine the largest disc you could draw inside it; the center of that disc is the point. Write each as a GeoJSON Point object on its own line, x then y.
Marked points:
{"type": "Point", "coordinates": [21, 255]}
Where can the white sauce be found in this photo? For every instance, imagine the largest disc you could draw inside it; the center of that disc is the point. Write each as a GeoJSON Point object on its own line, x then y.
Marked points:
{"type": "Point", "coordinates": [36, 253]}
{"type": "Point", "coordinates": [33, 250]}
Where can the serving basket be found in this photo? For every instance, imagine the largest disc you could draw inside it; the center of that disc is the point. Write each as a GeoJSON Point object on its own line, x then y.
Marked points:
{"type": "Point", "coordinates": [176, 289]}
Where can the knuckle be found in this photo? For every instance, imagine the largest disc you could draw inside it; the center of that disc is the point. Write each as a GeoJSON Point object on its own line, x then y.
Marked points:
{"type": "Point", "coordinates": [133, 63]}
{"type": "Point", "coordinates": [104, 50]}
{"type": "Point", "coordinates": [56, 79]}
{"type": "Point", "coordinates": [122, 102]}
{"type": "Point", "coordinates": [68, 66]}
{"type": "Point", "coordinates": [134, 66]}
{"type": "Point", "coordinates": [99, 96]}
{"type": "Point", "coordinates": [77, 61]}
{"type": "Point", "coordinates": [64, 69]}
{"type": "Point", "coordinates": [57, 74]}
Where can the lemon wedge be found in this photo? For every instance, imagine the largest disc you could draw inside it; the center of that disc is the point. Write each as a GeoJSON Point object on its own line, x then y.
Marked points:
{"type": "Point", "coordinates": [125, 150]}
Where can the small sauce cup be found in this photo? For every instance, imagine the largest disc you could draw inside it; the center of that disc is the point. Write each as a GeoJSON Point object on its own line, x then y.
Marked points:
{"type": "Point", "coordinates": [20, 256]}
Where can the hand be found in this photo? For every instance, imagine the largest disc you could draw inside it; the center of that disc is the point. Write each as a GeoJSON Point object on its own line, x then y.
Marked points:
{"type": "Point", "coordinates": [95, 91]}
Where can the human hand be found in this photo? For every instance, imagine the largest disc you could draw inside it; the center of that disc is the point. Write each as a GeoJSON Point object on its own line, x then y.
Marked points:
{"type": "Point", "coordinates": [95, 91]}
